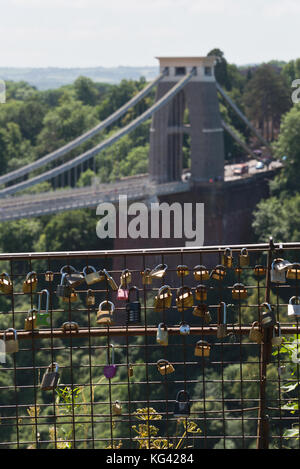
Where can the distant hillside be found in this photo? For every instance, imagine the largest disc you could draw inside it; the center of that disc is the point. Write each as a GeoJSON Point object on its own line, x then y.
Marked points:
{"type": "Point", "coordinates": [50, 78]}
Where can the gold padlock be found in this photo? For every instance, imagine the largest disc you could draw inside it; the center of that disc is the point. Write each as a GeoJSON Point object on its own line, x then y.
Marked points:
{"type": "Point", "coordinates": [182, 270]}
{"type": "Point", "coordinates": [72, 298]}
{"type": "Point", "coordinates": [277, 339]}
{"type": "Point", "coordinates": [259, 270]}
{"type": "Point", "coordinates": [293, 273]}
{"type": "Point", "coordinates": [146, 277]}
{"type": "Point", "coordinates": [125, 278]}
{"type": "Point", "coordinates": [159, 271]}
{"type": "Point", "coordinates": [163, 300]}
{"type": "Point", "coordinates": [117, 408]}
{"type": "Point", "coordinates": [200, 310]}
{"type": "Point", "coordinates": [30, 283]}
{"type": "Point", "coordinates": [201, 293]}
{"type": "Point", "coordinates": [202, 349]}
{"type": "Point", "coordinates": [130, 370]}
{"type": "Point", "coordinates": [218, 273]}
{"type": "Point", "coordinates": [110, 280]}
{"type": "Point", "coordinates": [49, 276]}
{"type": "Point", "coordinates": [239, 291]}
{"type": "Point", "coordinates": [255, 335]}
{"type": "Point", "coordinates": [105, 313]}
{"type": "Point", "coordinates": [6, 285]}
{"type": "Point", "coordinates": [165, 367]}
{"type": "Point", "coordinates": [184, 298]}
{"type": "Point", "coordinates": [30, 321]}
{"type": "Point", "coordinates": [201, 273]}
{"type": "Point", "coordinates": [227, 259]}
{"type": "Point", "coordinates": [244, 257]}
{"type": "Point", "coordinates": [222, 321]}
{"type": "Point", "coordinates": [90, 298]}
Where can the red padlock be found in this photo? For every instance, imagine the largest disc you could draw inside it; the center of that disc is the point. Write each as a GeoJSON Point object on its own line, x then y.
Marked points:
{"type": "Point", "coordinates": [122, 293]}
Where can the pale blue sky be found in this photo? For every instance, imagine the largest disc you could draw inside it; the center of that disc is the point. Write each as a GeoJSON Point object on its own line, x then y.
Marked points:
{"type": "Point", "coordinates": [71, 33]}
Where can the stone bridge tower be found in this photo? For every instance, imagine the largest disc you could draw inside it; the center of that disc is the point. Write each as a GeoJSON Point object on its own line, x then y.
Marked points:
{"type": "Point", "coordinates": [205, 129]}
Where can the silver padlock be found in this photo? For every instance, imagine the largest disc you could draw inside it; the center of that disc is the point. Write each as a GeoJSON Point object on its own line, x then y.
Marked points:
{"type": "Point", "coordinates": [184, 328]}
{"type": "Point", "coordinates": [11, 346]}
{"type": "Point", "coordinates": [278, 270]}
{"type": "Point", "coordinates": [162, 334]}
{"type": "Point", "coordinates": [294, 306]}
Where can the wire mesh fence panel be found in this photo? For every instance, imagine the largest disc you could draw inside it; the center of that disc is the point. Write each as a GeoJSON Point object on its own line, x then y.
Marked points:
{"type": "Point", "coordinates": [175, 348]}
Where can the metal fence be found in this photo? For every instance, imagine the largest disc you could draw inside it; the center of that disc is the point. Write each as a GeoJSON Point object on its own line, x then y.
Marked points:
{"type": "Point", "coordinates": [203, 353]}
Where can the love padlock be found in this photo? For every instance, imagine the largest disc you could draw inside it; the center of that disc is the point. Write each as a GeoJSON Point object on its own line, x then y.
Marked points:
{"type": "Point", "coordinates": [278, 268]}
{"type": "Point", "coordinates": [110, 281]}
{"type": "Point", "coordinates": [63, 290]}
{"type": "Point", "coordinates": [30, 321]}
{"type": "Point", "coordinates": [12, 345]}
{"type": "Point", "coordinates": [244, 257]}
{"type": "Point", "coordinates": [201, 293]}
{"type": "Point", "coordinates": [117, 408]}
{"type": "Point", "coordinates": [239, 291]}
{"type": "Point", "coordinates": [43, 319]}
{"type": "Point", "coordinates": [163, 299]}
{"type": "Point", "coordinates": [146, 276]}
{"type": "Point", "coordinates": [182, 405]}
{"type": "Point", "coordinates": [184, 328]}
{"type": "Point", "coordinates": [218, 273]}
{"type": "Point", "coordinates": [110, 369]}
{"type": "Point", "coordinates": [90, 298]}
{"type": "Point", "coordinates": [201, 273]}
{"type": "Point", "coordinates": [133, 308]}
{"type": "Point", "coordinates": [259, 270]}
{"type": "Point", "coordinates": [184, 298]}
{"type": "Point", "coordinates": [30, 283]}
{"type": "Point", "coordinates": [267, 317]}
{"type": "Point", "coordinates": [91, 275]}
{"type": "Point", "coordinates": [159, 271]}
{"type": "Point", "coordinates": [50, 378]}
{"type": "Point", "coordinates": [122, 293]}
{"type": "Point", "coordinates": [255, 335]}
{"type": "Point", "coordinates": [293, 272]}
{"type": "Point", "coordinates": [165, 367]}
{"type": "Point", "coordinates": [125, 278]}
{"type": "Point", "coordinates": [222, 325]}
{"type": "Point", "coordinates": [162, 336]}
{"type": "Point", "coordinates": [227, 259]}
{"type": "Point", "coordinates": [277, 338]}
{"type": "Point", "coordinates": [105, 313]}
{"type": "Point", "coordinates": [294, 306]}
{"type": "Point", "coordinates": [202, 348]}
{"type": "Point", "coordinates": [6, 285]}
{"type": "Point", "coordinates": [73, 277]}
{"type": "Point", "coordinates": [182, 270]}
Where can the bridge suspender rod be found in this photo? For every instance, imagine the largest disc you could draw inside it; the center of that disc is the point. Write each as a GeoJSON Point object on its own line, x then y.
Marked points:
{"type": "Point", "coordinates": [237, 139]}
{"type": "Point", "coordinates": [103, 145]}
{"type": "Point", "coordinates": [242, 116]}
{"type": "Point", "coordinates": [82, 138]}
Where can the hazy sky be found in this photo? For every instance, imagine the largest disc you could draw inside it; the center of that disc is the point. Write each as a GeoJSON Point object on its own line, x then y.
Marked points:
{"type": "Point", "coordinates": [70, 33]}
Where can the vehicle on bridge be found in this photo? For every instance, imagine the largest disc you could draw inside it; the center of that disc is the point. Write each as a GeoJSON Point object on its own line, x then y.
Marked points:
{"type": "Point", "coordinates": [241, 169]}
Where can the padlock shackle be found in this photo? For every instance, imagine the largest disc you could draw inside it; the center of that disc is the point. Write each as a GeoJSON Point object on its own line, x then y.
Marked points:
{"type": "Point", "coordinates": [51, 366]}
{"type": "Point", "coordinates": [267, 305]}
{"type": "Point", "coordinates": [244, 252]}
{"type": "Point", "coordinates": [110, 303]}
{"type": "Point", "coordinates": [30, 274]}
{"type": "Point", "coordinates": [276, 261]}
{"type": "Point", "coordinates": [3, 275]}
{"type": "Point", "coordinates": [47, 300]}
{"type": "Point", "coordinates": [158, 271]}
{"type": "Point", "coordinates": [88, 267]}
{"type": "Point", "coordinates": [62, 280]}
{"type": "Point", "coordinates": [183, 393]}
{"type": "Point", "coordinates": [228, 252]}
{"type": "Point", "coordinates": [294, 298]}
{"type": "Point", "coordinates": [69, 269]}
{"type": "Point", "coordinates": [161, 326]}
{"type": "Point", "coordinates": [10, 329]}
{"type": "Point", "coordinates": [112, 354]}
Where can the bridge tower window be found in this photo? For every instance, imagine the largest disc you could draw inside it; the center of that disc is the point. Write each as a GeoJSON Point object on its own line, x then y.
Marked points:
{"type": "Point", "coordinates": [180, 71]}
{"type": "Point", "coordinates": [207, 71]}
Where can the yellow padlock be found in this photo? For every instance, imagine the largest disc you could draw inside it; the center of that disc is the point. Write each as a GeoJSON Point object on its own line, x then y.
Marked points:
{"type": "Point", "coordinates": [30, 321]}
{"type": "Point", "coordinates": [182, 270]}
{"type": "Point", "coordinates": [239, 291]}
{"type": "Point", "coordinates": [202, 349]}
{"type": "Point", "coordinates": [227, 259]}
{"type": "Point", "coordinates": [6, 285]}
{"type": "Point", "coordinates": [201, 273]}
{"type": "Point", "coordinates": [165, 367]}
{"type": "Point", "coordinates": [30, 283]}
{"type": "Point", "coordinates": [294, 272]}
{"type": "Point", "coordinates": [184, 298]}
{"type": "Point", "coordinates": [201, 293]}
{"type": "Point", "coordinates": [163, 300]}
{"type": "Point", "coordinates": [218, 273]}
